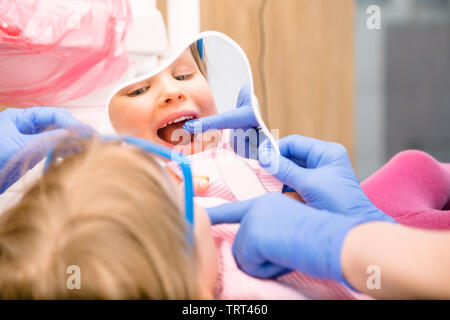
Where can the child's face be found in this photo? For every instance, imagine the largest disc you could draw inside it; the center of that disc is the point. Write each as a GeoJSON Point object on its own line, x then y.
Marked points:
{"type": "Point", "coordinates": [177, 94]}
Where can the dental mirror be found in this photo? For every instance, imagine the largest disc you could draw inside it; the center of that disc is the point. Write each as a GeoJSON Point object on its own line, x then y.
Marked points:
{"type": "Point", "coordinates": [201, 78]}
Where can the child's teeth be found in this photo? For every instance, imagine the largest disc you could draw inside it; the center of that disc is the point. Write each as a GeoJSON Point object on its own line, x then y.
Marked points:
{"type": "Point", "coordinates": [178, 120]}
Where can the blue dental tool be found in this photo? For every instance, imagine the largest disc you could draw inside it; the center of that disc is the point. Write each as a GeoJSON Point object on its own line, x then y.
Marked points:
{"type": "Point", "coordinates": [200, 48]}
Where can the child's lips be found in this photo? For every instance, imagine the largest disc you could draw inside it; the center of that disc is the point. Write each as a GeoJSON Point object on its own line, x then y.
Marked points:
{"type": "Point", "coordinates": [177, 115]}
{"type": "Point", "coordinates": [171, 128]}
{"type": "Point", "coordinates": [183, 118]}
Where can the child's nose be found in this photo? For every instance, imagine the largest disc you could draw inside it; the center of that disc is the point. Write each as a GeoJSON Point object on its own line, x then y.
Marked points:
{"type": "Point", "coordinates": [171, 93]}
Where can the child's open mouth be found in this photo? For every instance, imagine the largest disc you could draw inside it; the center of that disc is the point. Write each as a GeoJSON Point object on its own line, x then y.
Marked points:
{"type": "Point", "coordinates": [172, 132]}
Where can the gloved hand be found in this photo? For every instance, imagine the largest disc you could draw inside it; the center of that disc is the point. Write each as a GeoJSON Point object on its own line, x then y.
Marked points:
{"type": "Point", "coordinates": [23, 141]}
{"type": "Point", "coordinates": [322, 174]}
{"type": "Point", "coordinates": [242, 118]}
{"type": "Point", "coordinates": [278, 234]}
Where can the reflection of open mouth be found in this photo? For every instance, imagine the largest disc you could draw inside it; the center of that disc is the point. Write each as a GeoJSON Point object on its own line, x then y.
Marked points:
{"type": "Point", "coordinates": [171, 131]}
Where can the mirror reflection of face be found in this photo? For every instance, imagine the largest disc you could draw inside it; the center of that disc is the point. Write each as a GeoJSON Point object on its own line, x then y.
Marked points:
{"type": "Point", "coordinates": [155, 109]}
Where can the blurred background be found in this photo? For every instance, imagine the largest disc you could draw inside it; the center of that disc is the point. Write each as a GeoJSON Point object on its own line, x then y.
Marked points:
{"type": "Point", "coordinates": [402, 81]}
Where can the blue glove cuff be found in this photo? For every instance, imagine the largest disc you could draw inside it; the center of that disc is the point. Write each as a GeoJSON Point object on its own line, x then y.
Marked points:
{"type": "Point", "coordinates": [325, 236]}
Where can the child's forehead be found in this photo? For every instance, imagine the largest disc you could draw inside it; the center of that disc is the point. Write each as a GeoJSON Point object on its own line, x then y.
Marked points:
{"type": "Point", "coordinates": [186, 57]}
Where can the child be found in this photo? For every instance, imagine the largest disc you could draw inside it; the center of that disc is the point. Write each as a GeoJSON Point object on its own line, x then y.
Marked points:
{"type": "Point", "coordinates": [113, 211]}
{"type": "Point", "coordinates": [156, 109]}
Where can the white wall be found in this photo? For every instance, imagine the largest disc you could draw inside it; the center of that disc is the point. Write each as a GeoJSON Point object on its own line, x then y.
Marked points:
{"type": "Point", "coordinates": [183, 20]}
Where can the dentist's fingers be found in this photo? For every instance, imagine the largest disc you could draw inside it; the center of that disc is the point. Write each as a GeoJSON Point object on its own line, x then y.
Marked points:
{"type": "Point", "coordinates": [312, 153]}
{"type": "Point", "coordinates": [282, 168]}
{"type": "Point", "coordinates": [36, 149]}
{"type": "Point", "coordinates": [229, 213]}
{"type": "Point", "coordinates": [270, 270]}
{"type": "Point", "coordinates": [244, 98]}
{"type": "Point", "coordinates": [299, 147]}
{"type": "Point", "coordinates": [37, 119]}
{"type": "Point", "coordinates": [242, 117]}
{"type": "Point", "coordinates": [255, 266]}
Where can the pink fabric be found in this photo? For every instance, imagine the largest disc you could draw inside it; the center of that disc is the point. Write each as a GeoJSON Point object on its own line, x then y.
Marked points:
{"type": "Point", "coordinates": [217, 187]}
{"type": "Point", "coordinates": [234, 284]}
{"type": "Point", "coordinates": [414, 189]}
{"type": "Point", "coordinates": [203, 162]}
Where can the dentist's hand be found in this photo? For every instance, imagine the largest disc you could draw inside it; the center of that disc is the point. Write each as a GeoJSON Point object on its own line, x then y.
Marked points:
{"type": "Point", "coordinates": [322, 174]}
{"type": "Point", "coordinates": [240, 118]}
{"type": "Point", "coordinates": [244, 137]}
{"type": "Point", "coordinates": [24, 141]}
{"type": "Point", "coordinates": [278, 234]}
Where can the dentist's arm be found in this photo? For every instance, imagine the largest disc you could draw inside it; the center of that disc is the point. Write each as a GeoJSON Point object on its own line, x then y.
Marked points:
{"type": "Point", "coordinates": [278, 234]}
{"type": "Point", "coordinates": [26, 135]}
{"type": "Point", "coordinates": [412, 263]}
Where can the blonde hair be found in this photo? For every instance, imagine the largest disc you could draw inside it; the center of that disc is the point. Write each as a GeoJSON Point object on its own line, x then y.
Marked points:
{"type": "Point", "coordinates": [201, 62]}
{"type": "Point", "coordinates": [107, 209]}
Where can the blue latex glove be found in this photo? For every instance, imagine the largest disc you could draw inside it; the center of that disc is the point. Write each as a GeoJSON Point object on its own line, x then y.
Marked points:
{"type": "Point", "coordinates": [23, 140]}
{"type": "Point", "coordinates": [242, 117]}
{"type": "Point", "coordinates": [278, 234]}
{"type": "Point", "coordinates": [321, 172]}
